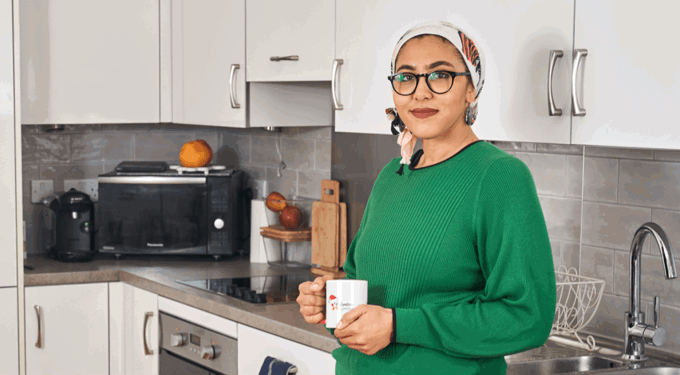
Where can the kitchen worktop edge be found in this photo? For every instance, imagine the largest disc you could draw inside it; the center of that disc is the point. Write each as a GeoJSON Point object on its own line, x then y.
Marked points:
{"type": "Point", "coordinates": [282, 320]}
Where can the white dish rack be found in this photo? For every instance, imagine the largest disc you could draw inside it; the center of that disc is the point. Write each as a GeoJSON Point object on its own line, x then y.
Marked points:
{"type": "Point", "coordinates": [578, 298]}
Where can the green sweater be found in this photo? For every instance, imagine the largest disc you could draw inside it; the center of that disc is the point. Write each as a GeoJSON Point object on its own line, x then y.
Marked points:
{"type": "Point", "coordinates": [461, 250]}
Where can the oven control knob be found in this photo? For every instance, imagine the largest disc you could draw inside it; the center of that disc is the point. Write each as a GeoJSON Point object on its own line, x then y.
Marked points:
{"type": "Point", "coordinates": [219, 223]}
{"type": "Point", "coordinates": [178, 339]}
{"type": "Point", "coordinates": [210, 352]}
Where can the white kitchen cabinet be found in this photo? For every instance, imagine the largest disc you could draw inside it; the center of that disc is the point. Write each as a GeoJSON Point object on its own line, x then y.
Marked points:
{"type": "Point", "coordinates": [629, 82]}
{"type": "Point", "coordinates": [255, 345]}
{"type": "Point", "coordinates": [515, 36]}
{"type": "Point", "coordinates": [302, 28]}
{"type": "Point", "coordinates": [133, 330]}
{"type": "Point", "coordinates": [208, 62]}
{"type": "Point", "coordinates": [90, 61]}
{"type": "Point", "coordinates": [9, 331]}
{"type": "Point", "coordinates": [70, 334]}
{"type": "Point", "coordinates": [8, 206]}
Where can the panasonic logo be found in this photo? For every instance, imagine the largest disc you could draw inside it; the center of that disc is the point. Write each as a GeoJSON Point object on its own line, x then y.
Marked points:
{"type": "Point", "coordinates": [154, 244]}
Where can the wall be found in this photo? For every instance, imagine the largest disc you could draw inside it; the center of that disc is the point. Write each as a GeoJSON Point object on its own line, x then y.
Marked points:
{"type": "Point", "coordinates": [593, 200]}
{"type": "Point", "coordinates": [85, 151]}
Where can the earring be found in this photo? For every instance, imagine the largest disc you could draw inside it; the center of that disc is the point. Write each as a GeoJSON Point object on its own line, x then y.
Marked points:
{"type": "Point", "coordinates": [469, 116]}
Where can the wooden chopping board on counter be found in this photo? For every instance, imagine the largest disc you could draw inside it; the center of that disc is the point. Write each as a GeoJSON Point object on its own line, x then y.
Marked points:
{"type": "Point", "coordinates": [328, 242]}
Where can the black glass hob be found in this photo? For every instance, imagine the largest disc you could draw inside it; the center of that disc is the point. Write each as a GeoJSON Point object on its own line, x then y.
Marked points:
{"type": "Point", "coordinates": [257, 289]}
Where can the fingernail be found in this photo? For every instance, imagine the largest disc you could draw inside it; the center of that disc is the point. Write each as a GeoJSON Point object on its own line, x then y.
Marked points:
{"type": "Point", "coordinates": [339, 325]}
{"type": "Point", "coordinates": [315, 286]}
{"type": "Point", "coordinates": [323, 321]}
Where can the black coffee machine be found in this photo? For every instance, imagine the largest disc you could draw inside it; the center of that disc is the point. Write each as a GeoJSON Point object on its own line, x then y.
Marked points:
{"type": "Point", "coordinates": [73, 235]}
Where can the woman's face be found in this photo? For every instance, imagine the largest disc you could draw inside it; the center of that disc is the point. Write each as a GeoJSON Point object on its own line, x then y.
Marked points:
{"type": "Point", "coordinates": [425, 55]}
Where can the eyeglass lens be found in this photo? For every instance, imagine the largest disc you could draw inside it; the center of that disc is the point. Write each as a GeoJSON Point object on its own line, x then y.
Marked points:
{"type": "Point", "coordinates": [438, 82]}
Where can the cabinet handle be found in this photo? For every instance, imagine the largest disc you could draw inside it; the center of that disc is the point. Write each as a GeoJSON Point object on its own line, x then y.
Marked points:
{"type": "Point", "coordinates": [38, 311]}
{"type": "Point", "coordinates": [578, 56]}
{"type": "Point", "coordinates": [146, 320]}
{"type": "Point", "coordinates": [287, 58]}
{"type": "Point", "coordinates": [336, 103]}
{"type": "Point", "coordinates": [552, 109]}
{"type": "Point", "coordinates": [232, 83]}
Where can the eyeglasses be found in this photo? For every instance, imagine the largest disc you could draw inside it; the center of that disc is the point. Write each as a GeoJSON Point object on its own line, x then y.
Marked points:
{"type": "Point", "coordinates": [439, 82]}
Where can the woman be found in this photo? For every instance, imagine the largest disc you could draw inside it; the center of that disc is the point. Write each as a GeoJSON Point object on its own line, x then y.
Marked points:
{"type": "Point", "coordinates": [454, 246]}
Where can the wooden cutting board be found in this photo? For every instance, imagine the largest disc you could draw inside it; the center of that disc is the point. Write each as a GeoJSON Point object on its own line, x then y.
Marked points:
{"type": "Point", "coordinates": [326, 227]}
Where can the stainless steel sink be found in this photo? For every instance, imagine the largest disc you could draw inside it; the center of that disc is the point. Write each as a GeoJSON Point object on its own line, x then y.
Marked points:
{"type": "Point", "coordinates": [646, 371]}
{"type": "Point", "coordinates": [565, 365]}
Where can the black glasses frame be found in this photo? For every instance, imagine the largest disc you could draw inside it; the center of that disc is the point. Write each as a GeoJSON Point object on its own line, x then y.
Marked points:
{"type": "Point", "coordinates": [424, 75]}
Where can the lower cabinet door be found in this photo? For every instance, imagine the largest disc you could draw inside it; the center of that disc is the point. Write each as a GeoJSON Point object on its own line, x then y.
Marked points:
{"type": "Point", "coordinates": [67, 329]}
{"type": "Point", "coordinates": [9, 333]}
{"type": "Point", "coordinates": [141, 331]}
{"type": "Point", "coordinates": [255, 345]}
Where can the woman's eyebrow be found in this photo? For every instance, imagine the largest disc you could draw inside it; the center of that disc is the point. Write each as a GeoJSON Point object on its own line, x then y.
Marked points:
{"type": "Point", "coordinates": [431, 66]}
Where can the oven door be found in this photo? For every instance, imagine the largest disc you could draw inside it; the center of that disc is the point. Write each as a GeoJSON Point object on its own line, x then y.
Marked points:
{"type": "Point", "coordinates": [152, 214]}
{"type": "Point", "coordinates": [171, 364]}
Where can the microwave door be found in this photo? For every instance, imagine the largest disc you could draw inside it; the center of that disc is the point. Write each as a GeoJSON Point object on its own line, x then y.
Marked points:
{"type": "Point", "coordinates": [144, 215]}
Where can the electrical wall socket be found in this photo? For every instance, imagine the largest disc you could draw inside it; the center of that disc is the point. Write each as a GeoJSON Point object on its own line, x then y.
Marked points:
{"type": "Point", "coordinates": [41, 189]}
{"type": "Point", "coordinates": [89, 187]}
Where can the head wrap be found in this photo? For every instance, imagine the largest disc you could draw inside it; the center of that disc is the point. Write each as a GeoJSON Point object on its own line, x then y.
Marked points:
{"type": "Point", "coordinates": [474, 60]}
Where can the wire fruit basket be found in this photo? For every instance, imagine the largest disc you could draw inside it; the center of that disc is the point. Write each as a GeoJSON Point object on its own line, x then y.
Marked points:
{"type": "Point", "coordinates": [578, 298]}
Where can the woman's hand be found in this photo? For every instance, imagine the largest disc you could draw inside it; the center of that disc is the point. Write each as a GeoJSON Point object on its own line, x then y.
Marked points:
{"type": "Point", "coordinates": [312, 299]}
{"type": "Point", "coordinates": [366, 328]}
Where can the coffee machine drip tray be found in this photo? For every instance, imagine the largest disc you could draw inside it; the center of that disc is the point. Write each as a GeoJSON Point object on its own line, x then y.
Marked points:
{"type": "Point", "coordinates": [258, 289]}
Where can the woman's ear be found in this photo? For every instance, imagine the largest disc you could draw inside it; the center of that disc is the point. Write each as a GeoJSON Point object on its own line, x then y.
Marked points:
{"type": "Point", "coordinates": [470, 94]}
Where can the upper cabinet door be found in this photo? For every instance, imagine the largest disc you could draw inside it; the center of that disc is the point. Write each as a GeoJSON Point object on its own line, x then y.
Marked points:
{"type": "Point", "coordinates": [286, 29]}
{"type": "Point", "coordinates": [515, 36]}
{"type": "Point", "coordinates": [89, 61]}
{"type": "Point", "coordinates": [629, 82]}
{"type": "Point", "coordinates": [208, 62]}
{"type": "Point", "coordinates": [8, 221]}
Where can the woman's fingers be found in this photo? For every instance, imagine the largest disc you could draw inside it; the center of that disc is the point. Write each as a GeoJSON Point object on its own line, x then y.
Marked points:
{"type": "Point", "coordinates": [314, 319]}
{"type": "Point", "coordinates": [311, 310]}
{"type": "Point", "coordinates": [311, 300]}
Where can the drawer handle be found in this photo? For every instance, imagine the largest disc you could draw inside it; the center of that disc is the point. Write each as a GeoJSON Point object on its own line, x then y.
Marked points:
{"type": "Point", "coordinates": [38, 311]}
{"type": "Point", "coordinates": [146, 320]}
{"type": "Point", "coordinates": [232, 83]}
{"type": "Point", "coordinates": [552, 109]}
{"type": "Point", "coordinates": [579, 54]}
{"type": "Point", "coordinates": [336, 103]}
{"type": "Point", "coordinates": [286, 58]}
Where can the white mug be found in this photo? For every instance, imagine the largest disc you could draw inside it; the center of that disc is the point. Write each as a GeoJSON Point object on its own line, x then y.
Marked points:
{"type": "Point", "coordinates": [342, 296]}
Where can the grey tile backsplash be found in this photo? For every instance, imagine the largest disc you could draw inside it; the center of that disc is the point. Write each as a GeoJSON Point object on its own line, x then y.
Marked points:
{"type": "Point", "coordinates": [85, 151]}
{"type": "Point", "coordinates": [593, 198]}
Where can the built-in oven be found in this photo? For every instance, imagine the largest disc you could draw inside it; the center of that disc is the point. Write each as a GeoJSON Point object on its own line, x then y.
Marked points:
{"type": "Point", "coordinates": [189, 349]}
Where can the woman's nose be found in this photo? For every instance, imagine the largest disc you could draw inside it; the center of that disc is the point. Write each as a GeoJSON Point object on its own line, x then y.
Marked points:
{"type": "Point", "coordinates": [422, 90]}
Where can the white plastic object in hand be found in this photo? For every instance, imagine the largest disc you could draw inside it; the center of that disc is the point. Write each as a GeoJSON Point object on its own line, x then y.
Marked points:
{"type": "Point", "coordinates": [578, 298]}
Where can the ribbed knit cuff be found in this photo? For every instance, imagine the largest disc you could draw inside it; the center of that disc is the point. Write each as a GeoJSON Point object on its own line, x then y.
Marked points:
{"type": "Point", "coordinates": [393, 338]}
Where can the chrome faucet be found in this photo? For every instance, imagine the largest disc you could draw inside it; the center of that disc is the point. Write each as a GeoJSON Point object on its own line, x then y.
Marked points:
{"type": "Point", "coordinates": [637, 333]}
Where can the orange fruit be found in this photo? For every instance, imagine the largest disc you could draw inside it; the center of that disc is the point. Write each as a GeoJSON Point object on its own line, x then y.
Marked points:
{"type": "Point", "coordinates": [276, 201]}
{"type": "Point", "coordinates": [195, 154]}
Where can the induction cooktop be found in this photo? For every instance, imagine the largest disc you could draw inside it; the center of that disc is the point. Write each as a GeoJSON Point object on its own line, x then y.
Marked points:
{"type": "Point", "coordinates": [256, 289]}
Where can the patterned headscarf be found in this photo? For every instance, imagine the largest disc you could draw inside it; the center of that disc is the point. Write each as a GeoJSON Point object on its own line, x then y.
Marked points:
{"type": "Point", "coordinates": [474, 60]}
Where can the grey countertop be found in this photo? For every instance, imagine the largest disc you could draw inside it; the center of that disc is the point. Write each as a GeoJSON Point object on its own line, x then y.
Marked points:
{"type": "Point", "coordinates": [159, 275]}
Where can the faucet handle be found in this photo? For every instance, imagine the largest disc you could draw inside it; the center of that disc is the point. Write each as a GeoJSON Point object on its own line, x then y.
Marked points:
{"type": "Point", "coordinates": [657, 308]}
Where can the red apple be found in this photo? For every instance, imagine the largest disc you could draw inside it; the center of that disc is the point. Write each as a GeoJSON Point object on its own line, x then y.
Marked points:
{"type": "Point", "coordinates": [290, 217]}
{"type": "Point", "coordinates": [276, 202]}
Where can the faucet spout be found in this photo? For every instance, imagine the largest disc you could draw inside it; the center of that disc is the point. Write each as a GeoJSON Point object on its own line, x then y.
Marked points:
{"type": "Point", "coordinates": [637, 331]}
{"type": "Point", "coordinates": [667, 258]}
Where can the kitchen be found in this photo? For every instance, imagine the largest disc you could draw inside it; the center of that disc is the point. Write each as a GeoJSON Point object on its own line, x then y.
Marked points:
{"type": "Point", "coordinates": [599, 176]}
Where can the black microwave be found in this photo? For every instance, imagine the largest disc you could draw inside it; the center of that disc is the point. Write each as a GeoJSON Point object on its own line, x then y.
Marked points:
{"type": "Point", "coordinates": [172, 213]}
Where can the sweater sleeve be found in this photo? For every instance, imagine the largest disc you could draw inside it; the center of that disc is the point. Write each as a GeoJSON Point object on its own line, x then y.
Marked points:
{"type": "Point", "coordinates": [515, 310]}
